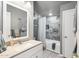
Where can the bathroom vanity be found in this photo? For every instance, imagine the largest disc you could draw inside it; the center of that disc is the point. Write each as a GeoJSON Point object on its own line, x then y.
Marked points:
{"type": "Point", "coordinates": [17, 24]}
{"type": "Point", "coordinates": [28, 49]}
{"type": "Point", "coordinates": [16, 20]}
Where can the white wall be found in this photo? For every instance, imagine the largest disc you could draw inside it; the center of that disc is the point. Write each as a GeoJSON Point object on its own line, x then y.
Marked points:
{"type": "Point", "coordinates": [78, 28]}
{"type": "Point", "coordinates": [30, 10]}
{"type": "Point", "coordinates": [42, 29]}
{"type": "Point", "coordinates": [0, 15]}
{"type": "Point", "coordinates": [52, 19]}
{"type": "Point", "coordinates": [67, 6]}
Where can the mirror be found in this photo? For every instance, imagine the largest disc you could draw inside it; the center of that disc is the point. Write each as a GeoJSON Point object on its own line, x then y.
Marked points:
{"type": "Point", "coordinates": [17, 20]}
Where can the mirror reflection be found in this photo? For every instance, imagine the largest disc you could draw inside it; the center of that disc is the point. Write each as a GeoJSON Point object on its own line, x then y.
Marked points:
{"type": "Point", "coordinates": [18, 21]}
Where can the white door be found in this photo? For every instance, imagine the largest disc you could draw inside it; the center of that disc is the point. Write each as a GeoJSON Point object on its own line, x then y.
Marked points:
{"type": "Point", "coordinates": [68, 36]}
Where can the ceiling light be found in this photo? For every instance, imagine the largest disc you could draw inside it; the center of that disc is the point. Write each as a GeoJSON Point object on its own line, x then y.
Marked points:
{"type": "Point", "coordinates": [50, 14]}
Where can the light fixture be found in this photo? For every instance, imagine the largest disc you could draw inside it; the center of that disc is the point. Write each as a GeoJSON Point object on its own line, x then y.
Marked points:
{"type": "Point", "coordinates": [50, 14]}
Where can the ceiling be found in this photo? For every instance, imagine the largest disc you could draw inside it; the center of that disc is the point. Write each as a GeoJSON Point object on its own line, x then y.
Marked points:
{"type": "Point", "coordinates": [44, 7]}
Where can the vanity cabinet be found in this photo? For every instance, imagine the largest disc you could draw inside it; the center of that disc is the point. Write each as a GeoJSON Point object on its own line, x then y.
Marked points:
{"type": "Point", "coordinates": [34, 52]}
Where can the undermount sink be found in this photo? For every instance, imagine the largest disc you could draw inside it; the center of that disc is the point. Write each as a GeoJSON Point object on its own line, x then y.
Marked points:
{"type": "Point", "coordinates": [13, 42]}
{"type": "Point", "coordinates": [16, 42]}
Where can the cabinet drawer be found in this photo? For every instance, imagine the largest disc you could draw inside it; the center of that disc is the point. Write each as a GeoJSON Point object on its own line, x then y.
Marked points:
{"type": "Point", "coordinates": [30, 52]}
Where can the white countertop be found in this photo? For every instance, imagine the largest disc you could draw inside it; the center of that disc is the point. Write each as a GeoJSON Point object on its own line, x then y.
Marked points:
{"type": "Point", "coordinates": [18, 48]}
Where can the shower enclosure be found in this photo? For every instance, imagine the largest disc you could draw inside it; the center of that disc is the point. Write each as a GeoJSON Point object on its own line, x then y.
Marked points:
{"type": "Point", "coordinates": [53, 33]}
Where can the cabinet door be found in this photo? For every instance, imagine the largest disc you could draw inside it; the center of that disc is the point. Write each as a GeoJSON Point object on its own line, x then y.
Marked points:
{"type": "Point", "coordinates": [38, 54]}
{"type": "Point", "coordinates": [31, 53]}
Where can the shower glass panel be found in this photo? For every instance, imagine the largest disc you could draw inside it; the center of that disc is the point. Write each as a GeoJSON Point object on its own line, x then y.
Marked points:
{"type": "Point", "coordinates": [53, 33]}
{"type": "Point", "coordinates": [53, 28]}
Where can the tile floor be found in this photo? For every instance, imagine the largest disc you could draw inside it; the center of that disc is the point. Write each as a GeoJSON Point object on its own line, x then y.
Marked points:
{"type": "Point", "coordinates": [50, 54]}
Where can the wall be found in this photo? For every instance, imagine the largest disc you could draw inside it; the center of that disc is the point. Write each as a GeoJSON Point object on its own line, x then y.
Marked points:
{"type": "Point", "coordinates": [30, 10]}
{"type": "Point", "coordinates": [67, 6]}
{"type": "Point", "coordinates": [78, 28]}
{"type": "Point", "coordinates": [52, 19]}
{"type": "Point", "coordinates": [42, 29]}
{"type": "Point", "coordinates": [1, 16]}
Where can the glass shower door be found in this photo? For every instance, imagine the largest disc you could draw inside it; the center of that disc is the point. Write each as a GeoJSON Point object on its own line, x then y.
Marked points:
{"type": "Point", "coordinates": [53, 33]}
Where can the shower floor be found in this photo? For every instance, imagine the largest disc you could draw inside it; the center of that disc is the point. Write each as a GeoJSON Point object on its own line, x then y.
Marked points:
{"type": "Point", "coordinates": [50, 54]}
{"type": "Point", "coordinates": [49, 46]}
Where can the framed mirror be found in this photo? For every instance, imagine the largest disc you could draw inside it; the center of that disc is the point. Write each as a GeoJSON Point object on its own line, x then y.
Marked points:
{"type": "Point", "coordinates": [15, 20]}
